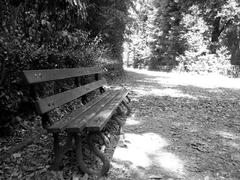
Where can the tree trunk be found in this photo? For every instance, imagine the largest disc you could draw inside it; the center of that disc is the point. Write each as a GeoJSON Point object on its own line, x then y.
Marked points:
{"type": "Point", "coordinates": [216, 29]}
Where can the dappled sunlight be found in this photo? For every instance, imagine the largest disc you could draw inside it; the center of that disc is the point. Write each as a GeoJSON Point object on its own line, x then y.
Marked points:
{"type": "Point", "coordinates": [170, 92]}
{"type": "Point", "coordinates": [202, 81]}
{"type": "Point", "coordinates": [228, 139]}
{"type": "Point", "coordinates": [231, 144]}
{"type": "Point", "coordinates": [170, 162]}
{"type": "Point", "coordinates": [162, 92]}
{"type": "Point", "coordinates": [147, 151]}
{"type": "Point", "coordinates": [131, 121]}
{"type": "Point", "coordinates": [227, 135]}
{"type": "Point", "coordinates": [187, 79]}
{"type": "Point", "coordinates": [193, 120]}
{"type": "Point", "coordinates": [215, 91]}
{"type": "Point", "coordinates": [140, 92]}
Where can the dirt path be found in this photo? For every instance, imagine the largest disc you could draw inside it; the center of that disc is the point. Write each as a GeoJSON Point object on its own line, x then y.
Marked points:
{"type": "Point", "coordinates": [182, 127]}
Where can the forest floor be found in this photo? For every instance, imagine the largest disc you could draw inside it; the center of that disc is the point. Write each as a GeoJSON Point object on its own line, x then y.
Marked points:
{"type": "Point", "coordinates": [182, 126]}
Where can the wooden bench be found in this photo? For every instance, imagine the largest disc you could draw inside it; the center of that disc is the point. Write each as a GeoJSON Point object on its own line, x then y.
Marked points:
{"type": "Point", "coordinates": [90, 118]}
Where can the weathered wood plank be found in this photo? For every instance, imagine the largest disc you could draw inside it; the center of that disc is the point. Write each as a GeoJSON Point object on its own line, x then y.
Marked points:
{"type": "Point", "coordinates": [69, 118]}
{"type": "Point", "coordinates": [76, 126]}
{"type": "Point", "coordinates": [99, 121]}
{"type": "Point", "coordinates": [49, 103]}
{"type": "Point", "coordinates": [37, 76]}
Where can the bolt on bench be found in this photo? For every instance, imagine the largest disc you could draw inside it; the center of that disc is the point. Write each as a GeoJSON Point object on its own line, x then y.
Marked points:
{"type": "Point", "coordinates": [91, 117]}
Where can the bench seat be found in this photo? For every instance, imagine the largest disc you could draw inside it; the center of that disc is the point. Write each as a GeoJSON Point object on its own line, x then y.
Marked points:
{"type": "Point", "coordinates": [93, 115]}
{"type": "Point", "coordinates": [99, 121]}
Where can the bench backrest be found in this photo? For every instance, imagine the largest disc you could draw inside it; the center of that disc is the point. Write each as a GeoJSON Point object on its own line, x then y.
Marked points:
{"type": "Point", "coordinates": [49, 103]}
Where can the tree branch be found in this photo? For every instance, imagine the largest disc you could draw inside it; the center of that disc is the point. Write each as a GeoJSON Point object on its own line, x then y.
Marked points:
{"type": "Point", "coordinates": [217, 30]}
{"type": "Point", "coordinates": [22, 145]}
{"type": "Point", "coordinates": [3, 70]}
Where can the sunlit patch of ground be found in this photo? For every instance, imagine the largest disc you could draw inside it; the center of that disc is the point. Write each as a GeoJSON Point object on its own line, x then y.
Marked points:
{"type": "Point", "coordinates": [162, 92]}
{"type": "Point", "coordinates": [187, 79]}
{"type": "Point", "coordinates": [227, 135]}
{"type": "Point", "coordinates": [132, 121]}
{"type": "Point", "coordinates": [146, 152]}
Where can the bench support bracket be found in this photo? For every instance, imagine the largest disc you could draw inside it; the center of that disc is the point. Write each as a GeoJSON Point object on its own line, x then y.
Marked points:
{"type": "Point", "coordinates": [96, 151]}
{"type": "Point", "coordinates": [129, 100]}
{"type": "Point", "coordinates": [127, 107]}
{"type": "Point", "coordinates": [60, 150]}
{"type": "Point", "coordinates": [119, 122]}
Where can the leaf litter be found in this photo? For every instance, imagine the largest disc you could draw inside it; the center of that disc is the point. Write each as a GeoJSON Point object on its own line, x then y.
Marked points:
{"type": "Point", "coordinates": [203, 129]}
{"type": "Point", "coordinates": [200, 125]}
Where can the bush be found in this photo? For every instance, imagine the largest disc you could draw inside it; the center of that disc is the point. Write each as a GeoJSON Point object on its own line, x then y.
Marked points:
{"type": "Point", "coordinates": [27, 42]}
{"type": "Point", "coordinates": [206, 62]}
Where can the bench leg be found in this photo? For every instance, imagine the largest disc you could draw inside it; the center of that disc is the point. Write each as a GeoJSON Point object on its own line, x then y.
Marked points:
{"type": "Point", "coordinates": [129, 100]}
{"type": "Point", "coordinates": [59, 150]}
{"type": "Point", "coordinates": [119, 111]}
{"type": "Point", "coordinates": [120, 124]}
{"type": "Point", "coordinates": [105, 139]}
{"type": "Point", "coordinates": [46, 121]}
{"type": "Point", "coordinates": [96, 151]}
{"type": "Point", "coordinates": [126, 105]}
{"type": "Point", "coordinates": [112, 126]}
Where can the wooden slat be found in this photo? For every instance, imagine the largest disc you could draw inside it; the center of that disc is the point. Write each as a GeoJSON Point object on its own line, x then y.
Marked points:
{"type": "Point", "coordinates": [77, 125]}
{"type": "Point", "coordinates": [99, 121]}
{"type": "Point", "coordinates": [37, 76]}
{"type": "Point", "coordinates": [69, 118]}
{"type": "Point", "coordinates": [49, 103]}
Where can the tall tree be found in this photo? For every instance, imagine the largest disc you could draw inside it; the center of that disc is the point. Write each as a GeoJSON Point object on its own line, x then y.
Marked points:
{"type": "Point", "coordinates": [108, 19]}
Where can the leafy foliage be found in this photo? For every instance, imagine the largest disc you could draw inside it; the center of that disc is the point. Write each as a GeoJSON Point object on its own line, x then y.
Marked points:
{"type": "Point", "coordinates": [211, 36]}
{"type": "Point", "coordinates": [108, 18]}
{"type": "Point", "coordinates": [156, 34]}
{"type": "Point", "coordinates": [194, 35]}
{"type": "Point", "coordinates": [54, 34]}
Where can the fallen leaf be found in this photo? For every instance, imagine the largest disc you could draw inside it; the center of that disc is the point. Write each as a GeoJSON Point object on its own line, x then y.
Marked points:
{"type": "Point", "coordinates": [16, 155]}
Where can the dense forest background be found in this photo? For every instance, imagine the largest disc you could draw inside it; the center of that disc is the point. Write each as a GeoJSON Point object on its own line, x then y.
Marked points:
{"type": "Point", "coordinates": [188, 35]}
{"type": "Point", "coordinates": [185, 35]}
